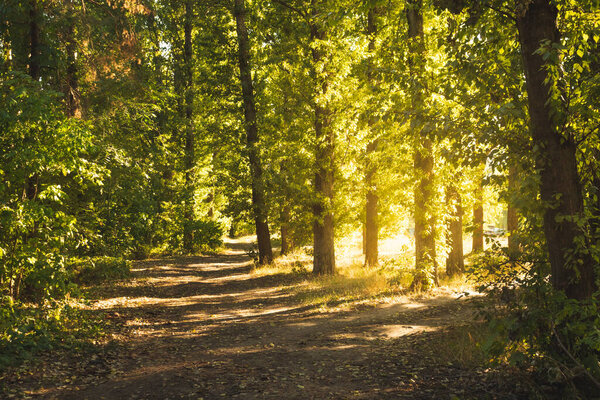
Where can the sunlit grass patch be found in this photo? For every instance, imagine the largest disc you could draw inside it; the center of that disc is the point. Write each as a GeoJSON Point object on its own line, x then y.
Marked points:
{"type": "Point", "coordinates": [296, 262]}
{"type": "Point", "coordinates": [27, 329]}
{"type": "Point", "coordinates": [352, 283]}
{"type": "Point", "coordinates": [458, 283]}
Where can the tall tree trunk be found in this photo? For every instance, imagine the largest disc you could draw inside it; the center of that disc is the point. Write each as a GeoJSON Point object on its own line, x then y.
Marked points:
{"type": "Point", "coordinates": [512, 218]}
{"type": "Point", "coordinates": [478, 219]}
{"type": "Point", "coordinates": [364, 238]}
{"type": "Point", "coordinates": [287, 243]}
{"type": "Point", "coordinates": [455, 263]}
{"type": "Point", "coordinates": [372, 218]}
{"type": "Point", "coordinates": [34, 41]}
{"type": "Point", "coordinates": [371, 239]}
{"type": "Point", "coordinates": [265, 251]}
{"type": "Point", "coordinates": [425, 252]}
{"type": "Point", "coordinates": [560, 185]}
{"type": "Point", "coordinates": [188, 235]}
{"type": "Point", "coordinates": [72, 82]}
{"type": "Point", "coordinates": [30, 188]}
{"type": "Point", "coordinates": [323, 225]}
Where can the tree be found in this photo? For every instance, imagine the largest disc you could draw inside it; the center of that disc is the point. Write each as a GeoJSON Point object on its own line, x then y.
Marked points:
{"type": "Point", "coordinates": [455, 263]}
{"type": "Point", "coordinates": [258, 196]}
{"type": "Point", "coordinates": [478, 218]}
{"type": "Point", "coordinates": [425, 230]}
{"type": "Point", "coordinates": [560, 188]}
{"type": "Point", "coordinates": [323, 225]}
{"type": "Point", "coordinates": [188, 100]}
{"type": "Point", "coordinates": [512, 217]}
{"type": "Point", "coordinates": [371, 233]}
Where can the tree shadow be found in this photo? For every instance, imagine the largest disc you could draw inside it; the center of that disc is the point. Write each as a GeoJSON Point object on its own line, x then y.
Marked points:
{"type": "Point", "coordinates": [212, 330]}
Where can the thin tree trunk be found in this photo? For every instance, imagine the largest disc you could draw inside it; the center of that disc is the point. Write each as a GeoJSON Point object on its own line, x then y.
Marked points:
{"type": "Point", "coordinates": [30, 188]}
{"type": "Point", "coordinates": [188, 235]}
{"type": "Point", "coordinates": [265, 251]}
{"type": "Point", "coordinates": [34, 41]}
{"type": "Point", "coordinates": [512, 218]}
{"type": "Point", "coordinates": [72, 82]}
{"type": "Point", "coordinates": [372, 220]}
{"type": "Point", "coordinates": [478, 220]}
{"type": "Point", "coordinates": [323, 225]}
{"type": "Point", "coordinates": [286, 240]}
{"type": "Point", "coordinates": [425, 251]}
{"type": "Point", "coordinates": [560, 185]}
{"type": "Point", "coordinates": [455, 263]}
{"type": "Point", "coordinates": [371, 239]}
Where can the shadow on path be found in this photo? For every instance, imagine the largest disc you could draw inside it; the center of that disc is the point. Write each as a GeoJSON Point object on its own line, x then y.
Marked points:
{"type": "Point", "coordinates": [206, 327]}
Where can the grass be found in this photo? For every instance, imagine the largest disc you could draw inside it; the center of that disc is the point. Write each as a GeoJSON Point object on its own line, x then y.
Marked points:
{"type": "Point", "coordinates": [28, 329]}
{"type": "Point", "coordinates": [352, 284]}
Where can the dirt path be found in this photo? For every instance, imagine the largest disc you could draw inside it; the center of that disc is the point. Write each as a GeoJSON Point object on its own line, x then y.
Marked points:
{"type": "Point", "coordinates": [206, 328]}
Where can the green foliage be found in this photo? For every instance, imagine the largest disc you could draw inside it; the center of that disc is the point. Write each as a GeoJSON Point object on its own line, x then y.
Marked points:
{"type": "Point", "coordinates": [43, 162]}
{"type": "Point", "coordinates": [530, 324]}
{"type": "Point", "coordinates": [99, 269]}
{"type": "Point", "coordinates": [26, 330]}
{"type": "Point", "coordinates": [207, 235]}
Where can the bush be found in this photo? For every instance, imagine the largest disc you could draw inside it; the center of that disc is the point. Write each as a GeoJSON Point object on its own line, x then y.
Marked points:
{"type": "Point", "coordinates": [531, 324]}
{"type": "Point", "coordinates": [98, 269]}
{"type": "Point", "coordinates": [208, 235]}
{"type": "Point", "coordinates": [49, 279]}
{"type": "Point", "coordinates": [25, 330]}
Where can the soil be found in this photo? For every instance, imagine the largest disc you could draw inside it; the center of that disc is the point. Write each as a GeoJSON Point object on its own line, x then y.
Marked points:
{"type": "Point", "coordinates": [205, 327]}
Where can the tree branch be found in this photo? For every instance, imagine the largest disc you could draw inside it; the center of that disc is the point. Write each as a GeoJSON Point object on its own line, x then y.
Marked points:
{"type": "Point", "coordinates": [294, 9]}
{"type": "Point", "coordinates": [503, 13]}
{"type": "Point", "coordinates": [562, 346]}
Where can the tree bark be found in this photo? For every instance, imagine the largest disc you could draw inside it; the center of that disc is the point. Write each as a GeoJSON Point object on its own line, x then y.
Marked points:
{"type": "Point", "coordinates": [323, 225]}
{"type": "Point", "coordinates": [263, 236]}
{"type": "Point", "coordinates": [560, 188]}
{"type": "Point", "coordinates": [287, 243]}
{"type": "Point", "coordinates": [512, 218]}
{"type": "Point", "coordinates": [478, 220]}
{"type": "Point", "coordinates": [455, 263]}
{"type": "Point", "coordinates": [425, 251]}
{"type": "Point", "coordinates": [188, 235]}
{"type": "Point", "coordinates": [72, 82]}
{"type": "Point", "coordinates": [371, 238]}
{"type": "Point", "coordinates": [34, 41]}
{"type": "Point", "coordinates": [30, 188]}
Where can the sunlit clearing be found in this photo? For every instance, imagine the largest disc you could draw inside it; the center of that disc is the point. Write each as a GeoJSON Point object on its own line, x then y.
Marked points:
{"type": "Point", "coordinates": [354, 284]}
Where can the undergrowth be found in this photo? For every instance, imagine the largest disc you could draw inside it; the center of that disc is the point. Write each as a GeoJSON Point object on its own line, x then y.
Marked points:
{"type": "Point", "coordinates": [28, 329]}
{"type": "Point", "coordinates": [353, 283]}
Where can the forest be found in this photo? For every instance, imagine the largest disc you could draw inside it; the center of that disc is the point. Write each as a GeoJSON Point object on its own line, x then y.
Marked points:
{"type": "Point", "coordinates": [300, 199]}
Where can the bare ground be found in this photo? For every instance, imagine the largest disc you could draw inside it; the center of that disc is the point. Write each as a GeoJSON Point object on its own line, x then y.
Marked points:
{"type": "Point", "coordinates": [207, 328]}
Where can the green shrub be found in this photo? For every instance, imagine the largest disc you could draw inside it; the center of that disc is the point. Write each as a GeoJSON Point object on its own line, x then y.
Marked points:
{"type": "Point", "coordinates": [532, 325]}
{"type": "Point", "coordinates": [25, 329]}
{"type": "Point", "coordinates": [98, 269]}
{"type": "Point", "coordinates": [208, 235]}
